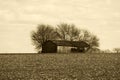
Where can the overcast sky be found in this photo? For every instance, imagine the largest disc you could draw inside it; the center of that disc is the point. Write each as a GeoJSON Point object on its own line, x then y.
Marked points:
{"type": "Point", "coordinates": [19, 17]}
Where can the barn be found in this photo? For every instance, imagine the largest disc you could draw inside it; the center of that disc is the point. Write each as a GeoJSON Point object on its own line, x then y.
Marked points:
{"type": "Point", "coordinates": [62, 46]}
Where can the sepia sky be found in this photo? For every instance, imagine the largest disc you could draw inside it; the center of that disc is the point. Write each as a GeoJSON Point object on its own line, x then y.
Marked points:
{"type": "Point", "coordinates": [19, 17]}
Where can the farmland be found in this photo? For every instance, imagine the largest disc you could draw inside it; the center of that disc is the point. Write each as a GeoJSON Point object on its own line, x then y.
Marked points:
{"type": "Point", "coordinates": [60, 66]}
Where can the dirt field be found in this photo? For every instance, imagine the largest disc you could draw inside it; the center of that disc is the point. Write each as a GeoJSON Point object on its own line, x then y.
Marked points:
{"type": "Point", "coordinates": [60, 67]}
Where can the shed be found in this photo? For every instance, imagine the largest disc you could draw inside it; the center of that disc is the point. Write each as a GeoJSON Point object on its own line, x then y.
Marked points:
{"type": "Point", "coordinates": [49, 47]}
{"type": "Point", "coordinates": [62, 46]}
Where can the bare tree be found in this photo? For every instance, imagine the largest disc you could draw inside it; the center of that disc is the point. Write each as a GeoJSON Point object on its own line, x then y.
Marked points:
{"type": "Point", "coordinates": [94, 41]}
{"type": "Point", "coordinates": [62, 30]}
{"type": "Point", "coordinates": [43, 33]}
{"type": "Point", "coordinates": [73, 32]}
{"type": "Point", "coordinates": [67, 31]}
{"type": "Point", "coordinates": [90, 38]}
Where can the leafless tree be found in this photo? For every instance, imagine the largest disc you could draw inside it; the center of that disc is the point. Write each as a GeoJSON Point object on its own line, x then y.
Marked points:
{"type": "Point", "coordinates": [73, 32]}
{"type": "Point", "coordinates": [90, 38]}
{"type": "Point", "coordinates": [67, 31]}
{"type": "Point", "coordinates": [62, 30]}
{"type": "Point", "coordinates": [43, 33]}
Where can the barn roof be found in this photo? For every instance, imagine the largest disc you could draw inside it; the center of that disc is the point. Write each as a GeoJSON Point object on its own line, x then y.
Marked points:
{"type": "Point", "coordinates": [70, 43]}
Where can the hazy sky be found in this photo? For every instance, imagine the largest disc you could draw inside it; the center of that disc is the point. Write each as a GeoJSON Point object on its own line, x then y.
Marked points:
{"type": "Point", "coordinates": [19, 17]}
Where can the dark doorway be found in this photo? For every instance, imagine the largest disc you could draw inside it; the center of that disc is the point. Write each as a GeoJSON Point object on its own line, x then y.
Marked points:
{"type": "Point", "coordinates": [49, 47]}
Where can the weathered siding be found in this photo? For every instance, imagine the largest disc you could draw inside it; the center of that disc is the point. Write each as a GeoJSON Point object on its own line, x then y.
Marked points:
{"type": "Point", "coordinates": [64, 49]}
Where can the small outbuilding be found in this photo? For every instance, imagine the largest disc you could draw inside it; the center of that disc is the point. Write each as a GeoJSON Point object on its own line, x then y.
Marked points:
{"type": "Point", "coordinates": [49, 47]}
{"type": "Point", "coordinates": [62, 46]}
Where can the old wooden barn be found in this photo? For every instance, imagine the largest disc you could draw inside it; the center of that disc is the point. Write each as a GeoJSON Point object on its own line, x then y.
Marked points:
{"type": "Point", "coordinates": [61, 46]}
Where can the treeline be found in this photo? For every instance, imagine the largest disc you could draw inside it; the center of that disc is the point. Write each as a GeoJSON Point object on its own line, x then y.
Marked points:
{"type": "Point", "coordinates": [63, 31]}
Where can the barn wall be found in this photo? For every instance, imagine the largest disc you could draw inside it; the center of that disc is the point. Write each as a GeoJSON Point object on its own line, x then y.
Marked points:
{"type": "Point", "coordinates": [64, 49]}
{"type": "Point", "coordinates": [49, 47]}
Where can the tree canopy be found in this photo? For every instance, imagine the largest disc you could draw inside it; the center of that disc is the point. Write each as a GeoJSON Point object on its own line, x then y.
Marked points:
{"type": "Point", "coordinates": [67, 31]}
